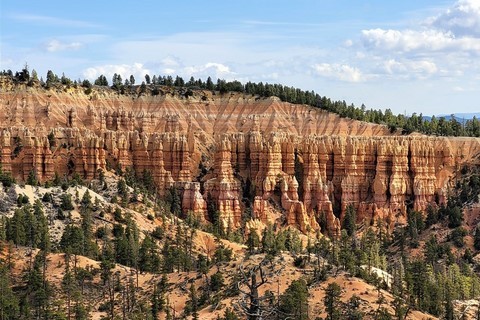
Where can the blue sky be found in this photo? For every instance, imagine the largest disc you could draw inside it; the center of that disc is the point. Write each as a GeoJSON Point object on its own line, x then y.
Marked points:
{"type": "Point", "coordinates": [411, 56]}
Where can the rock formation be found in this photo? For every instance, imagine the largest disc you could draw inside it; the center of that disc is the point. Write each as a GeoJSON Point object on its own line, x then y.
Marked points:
{"type": "Point", "coordinates": [307, 164]}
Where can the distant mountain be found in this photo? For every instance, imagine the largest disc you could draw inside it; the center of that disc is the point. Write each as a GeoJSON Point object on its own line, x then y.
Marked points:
{"type": "Point", "coordinates": [461, 116]}
{"type": "Point", "coordinates": [458, 116]}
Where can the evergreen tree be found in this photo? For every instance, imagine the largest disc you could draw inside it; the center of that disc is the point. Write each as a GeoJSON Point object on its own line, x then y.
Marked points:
{"type": "Point", "coordinates": [350, 220]}
{"type": "Point", "coordinates": [216, 281]}
{"type": "Point", "coordinates": [51, 78]}
{"type": "Point", "coordinates": [193, 302]}
{"type": "Point", "coordinates": [9, 308]}
{"type": "Point", "coordinates": [32, 178]}
{"type": "Point", "coordinates": [252, 241]}
{"type": "Point", "coordinates": [6, 178]}
{"type": "Point", "coordinates": [294, 302]}
{"type": "Point", "coordinates": [455, 216]}
{"type": "Point", "coordinates": [476, 241]}
{"type": "Point", "coordinates": [39, 291]}
{"type": "Point", "coordinates": [69, 285]}
{"type": "Point", "coordinates": [155, 303]}
{"type": "Point", "coordinates": [268, 240]}
{"type": "Point", "coordinates": [34, 75]}
{"type": "Point", "coordinates": [346, 254]}
{"type": "Point", "coordinates": [352, 311]}
{"type": "Point", "coordinates": [90, 247]}
{"type": "Point", "coordinates": [42, 240]}
{"type": "Point", "coordinates": [149, 259]}
{"type": "Point", "coordinates": [73, 240]}
{"type": "Point", "coordinates": [122, 188]}
{"type": "Point", "coordinates": [449, 310]}
{"type": "Point", "coordinates": [66, 202]}
{"type": "Point", "coordinates": [15, 228]}
{"type": "Point", "coordinates": [332, 301]}
{"type": "Point", "coordinates": [175, 202]}
{"type": "Point", "coordinates": [230, 315]}
{"type": "Point", "coordinates": [101, 81]}
{"type": "Point", "coordinates": [3, 228]}
{"type": "Point", "coordinates": [209, 84]}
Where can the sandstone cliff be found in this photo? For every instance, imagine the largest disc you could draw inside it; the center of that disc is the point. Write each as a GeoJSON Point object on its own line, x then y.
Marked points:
{"type": "Point", "coordinates": [305, 163]}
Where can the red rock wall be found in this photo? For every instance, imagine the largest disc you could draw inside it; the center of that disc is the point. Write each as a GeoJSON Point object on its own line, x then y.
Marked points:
{"type": "Point", "coordinates": [298, 165]}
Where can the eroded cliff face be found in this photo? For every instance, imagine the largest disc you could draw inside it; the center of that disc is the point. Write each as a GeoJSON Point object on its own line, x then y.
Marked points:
{"type": "Point", "coordinates": [237, 151]}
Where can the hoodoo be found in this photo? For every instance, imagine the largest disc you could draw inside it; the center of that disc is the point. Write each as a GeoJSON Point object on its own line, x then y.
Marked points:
{"type": "Point", "coordinates": [304, 162]}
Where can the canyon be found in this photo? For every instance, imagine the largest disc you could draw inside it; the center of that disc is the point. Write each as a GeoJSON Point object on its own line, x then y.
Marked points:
{"type": "Point", "coordinates": [239, 151]}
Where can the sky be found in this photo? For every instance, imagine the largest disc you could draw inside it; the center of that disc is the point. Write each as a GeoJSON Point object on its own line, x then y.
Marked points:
{"type": "Point", "coordinates": [412, 56]}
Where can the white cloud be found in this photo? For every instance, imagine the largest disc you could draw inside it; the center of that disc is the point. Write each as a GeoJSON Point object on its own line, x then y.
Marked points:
{"type": "Point", "coordinates": [456, 30]}
{"type": "Point", "coordinates": [348, 43]}
{"type": "Point", "coordinates": [169, 71]}
{"type": "Point", "coordinates": [170, 61]}
{"type": "Point", "coordinates": [463, 19]}
{"type": "Point", "coordinates": [137, 70]}
{"type": "Point", "coordinates": [406, 41]}
{"type": "Point", "coordinates": [217, 70]}
{"type": "Point", "coordinates": [446, 45]}
{"type": "Point", "coordinates": [56, 45]}
{"type": "Point", "coordinates": [341, 72]}
{"type": "Point", "coordinates": [419, 69]}
{"type": "Point", "coordinates": [47, 20]}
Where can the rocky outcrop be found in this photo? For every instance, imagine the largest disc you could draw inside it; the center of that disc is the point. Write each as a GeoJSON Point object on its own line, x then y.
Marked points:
{"type": "Point", "coordinates": [237, 152]}
{"type": "Point", "coordinates": [193, 201]}
{"type": "Point", "coordinates": [224, 188]}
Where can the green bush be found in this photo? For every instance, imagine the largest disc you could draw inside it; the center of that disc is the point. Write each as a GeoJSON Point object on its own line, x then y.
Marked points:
{"type": "Point", "coordinates": [216, 281]}
{"type": "Point", "coordinates": [66, 202]}
{"type": "Point", "coordinates": [457, 237]}
{"type": "Point", "coordinates": [118, 216]}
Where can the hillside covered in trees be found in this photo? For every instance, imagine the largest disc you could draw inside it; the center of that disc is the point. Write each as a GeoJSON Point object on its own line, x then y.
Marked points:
{"type": "Point", "coordinates": [123, 253]}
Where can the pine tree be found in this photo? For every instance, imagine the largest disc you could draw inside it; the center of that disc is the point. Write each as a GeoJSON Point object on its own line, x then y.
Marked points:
{"type": "Point", "coordinates": [476, 241]}
{"type": "Point", "coordinates": [449, 311]}
{"type": "Point", "coordinates": [42, 233]}
{"type": "Point", "coordinates": [346, 255]}
{"type": "Point", "coordinates": [353, 311]}
{"type": "Point", "coordinates": [350, 220]}
{"type": "Point", "coordinates": [294, 302]}
{"type": "Point", "coordinates": [455, 216]}
{"type": "Point", "coordinates": [3, 228]}
{"type": "Point", "coordinates": [101, 81]}
{"type": "Point", "coordinates": [216, 281]}
{"type": "Point", "coordinates": [39, 290]}
{"type": "Point", "coordinates": [149, 259]}
{"type": "Point", "coordinates": [9, 308]}
{"type": "Point", "coordinates": [209, 84]}
{"type": "Point", "coordinates": [268, 240]}
{"type": "Point", "coordinates": [15, 228]}
{"type": "Point", "coordinates": [332, 301]}
{"type": "Point", "coordinates": [193, 302]}
{"type": "Point", "coordinates": [155, 303]}
{"type": "Point", "coordinates": [252, 241]}
{"type": "Point", "coordinates": [51, 78]}
{"type": "Point", "coordinates": [90, 247]}
{"type": "Point", "coordinates": [32, 178]}
{"type": "Point", "coordinates": [68, 285]}
{"type": "Point", "coordinates": [175, 202]}
{"type": "Point", "coordinates": [73, 240]}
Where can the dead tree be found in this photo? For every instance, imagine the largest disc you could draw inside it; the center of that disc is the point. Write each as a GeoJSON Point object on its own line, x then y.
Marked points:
{"type": "Point", "coordinates": [250, 302]}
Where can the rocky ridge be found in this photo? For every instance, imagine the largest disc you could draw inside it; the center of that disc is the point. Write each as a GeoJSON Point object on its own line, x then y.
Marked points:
{"type": "Point", "coordinates": [308, 163]}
